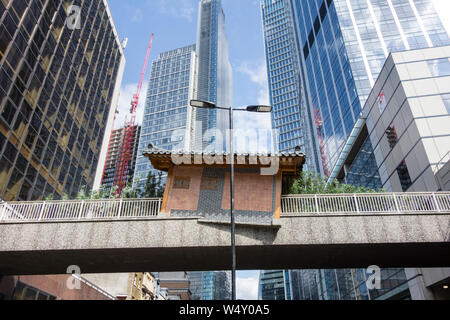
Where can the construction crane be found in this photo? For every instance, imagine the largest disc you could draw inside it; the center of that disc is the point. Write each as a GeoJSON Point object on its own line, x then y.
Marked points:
{"type": "Point", "coordinates": [323, 152]}
{"type": "Point", "coordinates": [120, 179]}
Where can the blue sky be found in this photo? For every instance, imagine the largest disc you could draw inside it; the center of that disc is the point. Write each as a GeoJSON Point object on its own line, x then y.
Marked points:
{"type": "Point", "coordinates": [174, 23]}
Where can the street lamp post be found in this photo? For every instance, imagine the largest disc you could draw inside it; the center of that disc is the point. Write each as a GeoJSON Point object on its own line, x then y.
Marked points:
{"type": "Point", "coordinates": [260, 109]}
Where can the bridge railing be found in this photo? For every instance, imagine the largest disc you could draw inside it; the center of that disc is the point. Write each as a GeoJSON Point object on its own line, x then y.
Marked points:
{"type": "Point", "coordinates": [80, 210]}
{"type": "Point", "coordinates": [371, 203]}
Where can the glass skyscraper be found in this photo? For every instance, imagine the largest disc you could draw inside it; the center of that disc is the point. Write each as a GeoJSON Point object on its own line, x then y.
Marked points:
{"type": "Point", "coordinates": [329, 284]}
{"type": "Point", "coordinates": [210, 285]}
{"type": "Point", "coordinates": [274, 285]}
{"type": "Point", "coordinates": [214, 79]}
{"type": "Point", "coordinates": [290, 114]}
{"type": "Point", "coordinates": [167, 115]}
{"type": "Point", "coordinates": [57, 86]}
{"type": "Point", "coordinates": [343, 45]}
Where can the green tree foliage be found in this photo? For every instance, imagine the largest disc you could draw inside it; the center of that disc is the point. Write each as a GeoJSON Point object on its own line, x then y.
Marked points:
{"type": "Point", "coordinates": [153, 186]}
{"type": "Point", "coordinates": [310, 183]}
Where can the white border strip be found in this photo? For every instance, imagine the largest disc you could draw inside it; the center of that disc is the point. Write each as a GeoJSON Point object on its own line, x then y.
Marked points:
{"type": "Point", "coordinates": [377, 27]}
{"type": "Point", "coordinates": [360, 43]}
{"type": "Point", "coordinates": [399, 26]}
{"type": "Point", "coordinates": [422, 26]}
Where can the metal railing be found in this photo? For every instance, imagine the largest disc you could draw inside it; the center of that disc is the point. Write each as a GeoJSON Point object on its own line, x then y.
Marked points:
{"type": "Point", "coordinates": [86, 210]}
{"type": "Point", "coordinates": [80, 210]}
{"type": "Point", "coordinates": [372, 203]}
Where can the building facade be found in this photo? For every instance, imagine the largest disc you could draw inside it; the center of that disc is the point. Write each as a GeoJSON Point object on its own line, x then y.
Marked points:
{"type": "Point", "coordinates": [110, 174]}
{"type": "Point", "coordinates": [210, 285]}
{"type": "Point", "coordinates": [274, 285]}
{"type": "Point", "coordinates": [52, 287]}
{"type": "Point", "coordinates": [290, 114]}
{"type": "Point", "coordinates": [406, 119]}
{"type": "Point", "coordinates": [128, 286]}
{"type": "Point", "coordinates": [343, 45]}
{"type": "Point", "coordinates": [167, 115]}
{"type": "Point", "coordinates": [176, 284]}
{"type": "Point", "coordinates": [58, 85]}
{"type": "Point", "coordinates": [214, 79]}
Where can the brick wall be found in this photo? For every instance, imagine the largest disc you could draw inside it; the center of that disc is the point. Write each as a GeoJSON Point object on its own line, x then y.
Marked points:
{"type": "Point", "coordinates": [55, 285]}
{"type": "Point", "coordinates": [256, 196]}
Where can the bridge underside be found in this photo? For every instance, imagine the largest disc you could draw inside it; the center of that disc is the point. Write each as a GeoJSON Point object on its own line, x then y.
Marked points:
{"type": "Point", "coordinates": [190, 245]}
{"type": "Point", "coordinates": [207, 258]}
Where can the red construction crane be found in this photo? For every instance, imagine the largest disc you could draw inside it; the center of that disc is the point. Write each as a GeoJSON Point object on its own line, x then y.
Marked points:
{"type": "Point", "coordinates": [120, 179]}
{"type": "Point", "coordinates": [323, 151]}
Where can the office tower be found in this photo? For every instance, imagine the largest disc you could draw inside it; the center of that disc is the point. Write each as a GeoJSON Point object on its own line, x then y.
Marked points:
{"type": "Point", "coordinates": [167, 116]}
{"type": "Point", "coordinates": [290, 116]}
{"type": "Point", "coordinates": [274, 285]}
{"type": "Point", "coordinates": [114, 150]}
{"type": "Point", "coordinates": [58, 84]}
{"type": "Point", "coordinates": [214, 79]}
{"type": "Point", "coordinates": [329, 284]}
{"type": "Point", "coordinates": [343, 45]}
{"type": "Point", "coordinates": [210, 285]}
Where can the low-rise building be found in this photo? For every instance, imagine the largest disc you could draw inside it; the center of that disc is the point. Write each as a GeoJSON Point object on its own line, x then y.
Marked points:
{"type": "Point", "coordinates": [175, 285]}
{"type": "Point", "coordinates": [50, 287]}
{"type": "Point", "coordinates": [127, 286]}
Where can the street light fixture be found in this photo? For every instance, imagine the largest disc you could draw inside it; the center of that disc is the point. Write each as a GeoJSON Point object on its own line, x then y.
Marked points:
{"type": "Point", "coordinates": [202, 104]}
{"type": "Point", "coordinates": [259, 109]}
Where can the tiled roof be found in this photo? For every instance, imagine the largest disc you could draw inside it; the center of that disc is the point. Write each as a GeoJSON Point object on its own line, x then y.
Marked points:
{"type": "Point", "coordinates": [277, 154]}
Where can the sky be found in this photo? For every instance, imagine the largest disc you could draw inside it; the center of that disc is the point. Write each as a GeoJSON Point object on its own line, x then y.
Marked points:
{"type": "Point", "coordinates": [174, 23]}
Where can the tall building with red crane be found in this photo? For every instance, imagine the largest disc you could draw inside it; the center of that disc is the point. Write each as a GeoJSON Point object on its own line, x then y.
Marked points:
{"type": "Point", "coordinates": [114, 156]}
{"type": "Point", "coordinates": [129, 130]}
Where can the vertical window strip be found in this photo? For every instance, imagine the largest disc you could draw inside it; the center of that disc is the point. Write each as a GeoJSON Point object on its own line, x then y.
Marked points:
{"type": "Point", "coordinates": [399, 26]}
{"type": "Point", "coordinates": [422, 26]}
{"type": "Point", "coordinates": [377, 28]}
{"type": "Point", "coordinates": [360, 43]}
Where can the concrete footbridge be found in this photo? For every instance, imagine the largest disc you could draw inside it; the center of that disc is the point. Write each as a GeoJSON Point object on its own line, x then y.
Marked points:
{"type": "Point", "coordinates": [303, 232]}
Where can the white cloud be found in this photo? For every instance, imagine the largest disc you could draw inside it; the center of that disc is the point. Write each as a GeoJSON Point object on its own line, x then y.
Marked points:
{"type": "Point", "coordinates": [247, 288]}
{"type": "Point", "coordinates": [138, 15]}
{"type": "Point", "coordinates": [263, 97]}
{"type": "Point", "coordinates": [126, 94]}
{"type": "Point", "coordinates": [257, 72]}
{"type": "Point", "coordinates": [184, 9]}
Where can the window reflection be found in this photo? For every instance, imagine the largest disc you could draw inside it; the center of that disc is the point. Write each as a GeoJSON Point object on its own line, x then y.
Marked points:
{"type": "Point", "coordinates": [439, 67]}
